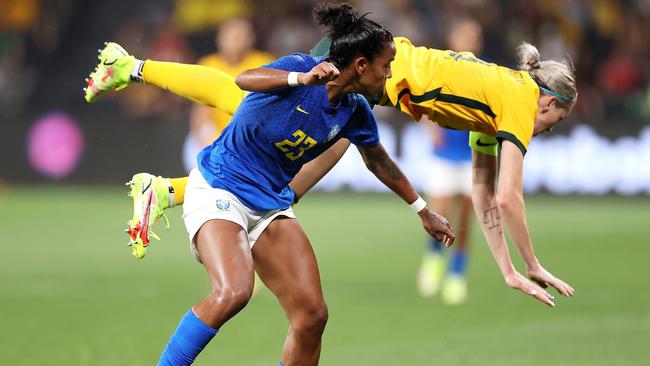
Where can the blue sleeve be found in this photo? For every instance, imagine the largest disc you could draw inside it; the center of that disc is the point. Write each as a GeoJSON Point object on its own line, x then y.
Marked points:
{"type": "Point", "coordinates": [295, 62]}
{"type": "Point", "coordinates": [362, 129]}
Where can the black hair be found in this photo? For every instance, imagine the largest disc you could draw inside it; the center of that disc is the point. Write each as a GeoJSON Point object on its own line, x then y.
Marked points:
{"type": "Point", "coordinates": [350, 33]}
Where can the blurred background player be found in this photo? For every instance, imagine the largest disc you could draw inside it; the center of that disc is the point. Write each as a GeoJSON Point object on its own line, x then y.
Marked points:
{"type": "Point", "coordinates": [235, 41]}
{"type": "Point", "coordinates": [449, 188]}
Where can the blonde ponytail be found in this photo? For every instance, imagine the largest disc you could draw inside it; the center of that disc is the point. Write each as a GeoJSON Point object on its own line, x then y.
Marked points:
{"type": "Point", "coordinates": [528, 57]}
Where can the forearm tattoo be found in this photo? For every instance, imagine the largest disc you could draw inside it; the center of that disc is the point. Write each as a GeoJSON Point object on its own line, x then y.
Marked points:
{"type": "Point", "coordinates": [379, 161]}
{"type": "Point", "coordinates": [492, 218]}
{"type": "Point", "coordinates": [389, 166]}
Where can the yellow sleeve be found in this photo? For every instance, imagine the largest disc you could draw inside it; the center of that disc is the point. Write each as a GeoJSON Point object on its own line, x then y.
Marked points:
{"type": "Point", "coordinates": [200, 84]}
{"type": "Point", "coordinates": [485, 144]}
{"type": "Point", "coordinates": [515, 124]}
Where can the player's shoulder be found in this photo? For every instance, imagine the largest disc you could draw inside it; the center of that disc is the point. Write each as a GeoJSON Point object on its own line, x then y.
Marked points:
{"type": "Point", "coordinates": [296, 62]}
{"type": "Point", "coordinates": [308, 59]}
{"type": "Point", "coordinates": [401, 40]}
{"type": "Point", "coordinates": [406, 44]}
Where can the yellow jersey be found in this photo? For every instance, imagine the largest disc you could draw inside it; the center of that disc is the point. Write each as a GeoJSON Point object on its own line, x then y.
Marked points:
{"type": "Point", "coordinates": [459, 91]}
{"type": "Point", "coordinates": [252, 60]}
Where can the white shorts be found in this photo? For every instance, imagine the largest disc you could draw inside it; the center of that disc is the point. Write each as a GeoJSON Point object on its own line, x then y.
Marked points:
{"type": "Point", "coordinates": [204, 203]}
{"type": "Point", "coordinates": [449, 178]}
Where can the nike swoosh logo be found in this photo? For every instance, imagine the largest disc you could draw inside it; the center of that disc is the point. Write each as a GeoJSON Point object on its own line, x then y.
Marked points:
{"type": "Point", "coordinates": [479, 143]}
{"type": "Point", "coordinates": [301, 110]}
{"type": "Point", "coordinates": [146, 187]}
{"type": "Point", "coordinates": [109, 63]}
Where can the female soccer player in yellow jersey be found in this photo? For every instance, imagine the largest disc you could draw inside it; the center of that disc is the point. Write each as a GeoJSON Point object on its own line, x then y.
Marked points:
{"type": "Point", "coordinates": [502, 107]}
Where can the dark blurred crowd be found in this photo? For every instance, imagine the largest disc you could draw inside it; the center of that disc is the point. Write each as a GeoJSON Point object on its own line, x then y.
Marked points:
{"type": "Point", "coordinates": [607, 40]}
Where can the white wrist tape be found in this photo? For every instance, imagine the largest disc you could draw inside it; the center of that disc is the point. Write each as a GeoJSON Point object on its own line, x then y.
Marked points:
{"type": "Point", "coordinates": [292, 78]}
{"type": "Point", "coordinates": [418, 205]}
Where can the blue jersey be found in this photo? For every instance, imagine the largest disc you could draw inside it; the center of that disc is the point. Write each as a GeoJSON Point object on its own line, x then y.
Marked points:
{"type": "Point", "coordinates": [454, 146]}
{"type": "Point", "coordinates": [272, 135]}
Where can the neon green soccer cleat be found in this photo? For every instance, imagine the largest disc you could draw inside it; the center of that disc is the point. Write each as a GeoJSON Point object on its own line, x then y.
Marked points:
{"type": "Point", "coordinates": [430, 274]}
{"type": "Point", "coordinates": [151, 197]}
{"type": "Point", "coordinates": [454, 290]}
{"type": "Point", "coordinates": [113, 72]}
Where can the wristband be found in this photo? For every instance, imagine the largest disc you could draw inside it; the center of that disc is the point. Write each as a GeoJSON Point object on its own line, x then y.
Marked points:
{"type": "Point", "coordinates": [292, 78]}
{"type": "Point", "coordinates": [418, 205]}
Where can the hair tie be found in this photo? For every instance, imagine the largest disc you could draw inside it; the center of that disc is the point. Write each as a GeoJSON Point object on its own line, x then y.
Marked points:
{"type": "Point", "coordinates": [558, 95]}
{"type": "Point", "coordinates": [542, 86]}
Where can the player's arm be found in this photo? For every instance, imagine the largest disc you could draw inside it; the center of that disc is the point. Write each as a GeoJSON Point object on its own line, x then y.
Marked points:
{"type": "Point", "coordinates": [484, 199]}
{"type": "Point", "coordinates": [384, 168]}
{"type": "Point", "coordinates": [312, 172]}
{"type": "Point", "coordinates": [269, 79]}
{"type": "Point", "coordinates": [510, 202]}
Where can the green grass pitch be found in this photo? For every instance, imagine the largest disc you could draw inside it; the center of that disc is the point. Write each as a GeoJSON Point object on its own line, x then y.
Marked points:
{"type": "Point", "coordinates": [71, 294]}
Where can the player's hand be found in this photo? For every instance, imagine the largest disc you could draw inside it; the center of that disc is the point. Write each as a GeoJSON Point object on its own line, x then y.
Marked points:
{"type": "Point", "coordinates": [321, 74]}
{"type": "Point", "coordinates": [521, 283]}
{"type": "Point", "coordinates": [543, 278]}
{"type": "Point", "coordinates": [437, 226]}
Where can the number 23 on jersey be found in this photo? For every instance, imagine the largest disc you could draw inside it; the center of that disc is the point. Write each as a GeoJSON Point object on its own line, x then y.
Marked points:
{"type": "Point", "coordinates": [295, 149]}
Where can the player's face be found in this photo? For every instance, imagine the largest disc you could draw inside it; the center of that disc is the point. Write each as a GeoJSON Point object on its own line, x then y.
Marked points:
{"type": "Point", "coordinates": [548, 114]}
{"type": "Point", "coordinates": [373, 75]}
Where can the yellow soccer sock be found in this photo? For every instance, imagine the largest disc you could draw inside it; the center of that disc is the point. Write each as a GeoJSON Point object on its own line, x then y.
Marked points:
{"type": "Point", "coordinates": [198, 83]}
{"type": "Point", "coordinates": [178, 184]}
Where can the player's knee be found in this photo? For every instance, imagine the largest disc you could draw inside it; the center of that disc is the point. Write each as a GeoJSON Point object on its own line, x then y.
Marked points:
{"type": "Point", "coordinates": [231, 299]}
{"type": "Point", "coordinates": [312, 319]}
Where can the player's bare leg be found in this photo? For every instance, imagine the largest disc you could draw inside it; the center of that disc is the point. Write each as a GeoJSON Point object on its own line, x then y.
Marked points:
{"type": "Point", "coordinates": [226, 256]}
{"type": "Point", "coordinates": [285, 262]}
{"type": "Point", "coordinates": [223, 248]}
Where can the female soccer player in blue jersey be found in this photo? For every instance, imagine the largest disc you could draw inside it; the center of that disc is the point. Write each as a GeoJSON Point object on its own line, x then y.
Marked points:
{"type": "Point", "coordinates": [238, 203]}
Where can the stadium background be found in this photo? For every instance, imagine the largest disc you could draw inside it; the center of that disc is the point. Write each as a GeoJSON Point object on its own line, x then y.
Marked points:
{"type": "Point", "coordinates": [70, 294]}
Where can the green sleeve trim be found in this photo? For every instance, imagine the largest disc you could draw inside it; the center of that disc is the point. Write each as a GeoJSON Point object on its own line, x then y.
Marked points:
{"type": "Point", "coordinates": [485, 144]}
{"type": "Point", "coordinates": [502, 135]}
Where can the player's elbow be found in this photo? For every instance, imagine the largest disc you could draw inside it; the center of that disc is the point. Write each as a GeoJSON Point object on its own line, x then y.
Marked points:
{"type": "Point", "coordinates": [371, 164]}
{"type": "Point", "coordinates": [503, 202]}
{"type": "Point", "coordinates": [373, 168]}
{"type": "Point", "coordinates": [246, 81]}
{"type": "Point", "coordinates": [241, 81]}
{"type": "Point", "coordinates": [507, 200]}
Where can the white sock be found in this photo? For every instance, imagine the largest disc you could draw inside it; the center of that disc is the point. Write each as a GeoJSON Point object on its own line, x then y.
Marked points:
{"type": "Point", "coordinates": [136, 72]}
{"type": "Point", "coordinates": [170, 187]}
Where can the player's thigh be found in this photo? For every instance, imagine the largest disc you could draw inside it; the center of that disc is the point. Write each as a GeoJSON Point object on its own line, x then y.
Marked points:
{"type": "Point", "coordinates": [215, 223]}
{"type": "Point", "coordinates": [285, 262]}
{"type": "Point", "coordinates": [224, 251]}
